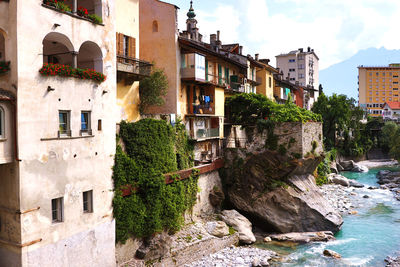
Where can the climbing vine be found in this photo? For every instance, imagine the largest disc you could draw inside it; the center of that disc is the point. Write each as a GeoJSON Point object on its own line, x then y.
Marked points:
{"type": "Point", "coordinates": [152, 148]}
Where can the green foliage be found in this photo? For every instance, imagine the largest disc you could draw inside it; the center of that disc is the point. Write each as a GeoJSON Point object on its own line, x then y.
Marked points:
{"type": "Point", "coordinates": [251, 109]}
{"type": "Point", "coordinates": [151, 149]}
{"type": "Point", "coordinates": [152, 89]}
{"type": "Point", "coordinates": [231, 230]}
{"type": "Point", "coordinates": [342, 126]}
{"type": "Point", "coordinates": [323, 169]}
{"type": "Point", "coordinates": [391, 138]}
{"type": "Point", "coordinates": [95, 18]}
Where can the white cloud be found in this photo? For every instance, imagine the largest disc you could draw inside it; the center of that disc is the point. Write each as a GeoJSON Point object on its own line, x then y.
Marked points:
{"type": "Point", "coordinates": [335, 29]}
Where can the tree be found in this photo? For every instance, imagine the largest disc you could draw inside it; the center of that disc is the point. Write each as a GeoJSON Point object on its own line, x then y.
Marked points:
{"type": "Point", "coordinates": [342, 125]}
{"type": "Point", "coordinates": [321, 89]}
{"type": "Point", "coordinates": [391, 139]}
{"type": "Point", "coordinates": [152, 89]}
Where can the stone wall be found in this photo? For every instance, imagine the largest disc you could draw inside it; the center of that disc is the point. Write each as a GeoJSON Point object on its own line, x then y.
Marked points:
{"type": "Point", "coordinates": [293, 138]}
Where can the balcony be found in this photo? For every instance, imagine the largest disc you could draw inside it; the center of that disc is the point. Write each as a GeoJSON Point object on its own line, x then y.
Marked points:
{"type": "Point", "coordinates": [206, 133]}
{"type": "Point", "coordinates": [193, 67]}
{"type": "Point", "coordinates": [133, 66]}
{"type": "Point", "coordinates": [237, 87]}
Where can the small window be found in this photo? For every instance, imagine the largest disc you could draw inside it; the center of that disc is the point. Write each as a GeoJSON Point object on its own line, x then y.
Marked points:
{"type": "Point", "coordinates": [292, 60]}
{"type": "Point", "coordinates": [85, 123]}
{"type": "Point", "coordinates": [88, 201]}
{"type": "Point", "coordinates": [57, 209]}
{"type": "Point", "coordinates": [99, 125]}
{"type": "Point", "coordinates": [270, 82]}
{"type": "Point", "coordinates": [291, 70]}
{"type": "Point", "coordinates": [64, 128]}
{"type": "Point", "coordinates": [2, 121]}
{"type": "Point", "coordinates": [155, 26]}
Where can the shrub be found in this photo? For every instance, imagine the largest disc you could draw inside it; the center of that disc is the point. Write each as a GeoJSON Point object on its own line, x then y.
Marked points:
{"type": "Point", "coordinates": [96, 19]}
{"type": "Point", "coordinates": [151, 148]}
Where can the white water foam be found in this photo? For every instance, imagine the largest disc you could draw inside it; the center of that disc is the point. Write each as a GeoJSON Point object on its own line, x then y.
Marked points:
{"type": "Point", "coordinates": [354, 261]}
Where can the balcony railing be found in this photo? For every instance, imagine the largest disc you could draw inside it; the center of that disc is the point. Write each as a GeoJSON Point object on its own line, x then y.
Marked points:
{"type": "Point", "coordinates": [133, 65]}
{"type": "Point", "coordinates": [206, 133]}
{"type": "Point", "coordinates": [237, 87]}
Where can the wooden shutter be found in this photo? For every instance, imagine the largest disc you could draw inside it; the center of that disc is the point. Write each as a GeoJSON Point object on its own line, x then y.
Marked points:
{"type": "Point", "coordinates": [132, 47]}
{"type": "Point", "coordinates": [120, 44]}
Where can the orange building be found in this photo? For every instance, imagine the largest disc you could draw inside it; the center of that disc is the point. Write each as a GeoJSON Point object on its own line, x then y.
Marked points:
{"type": "Point", "coordinates": [377, 85]}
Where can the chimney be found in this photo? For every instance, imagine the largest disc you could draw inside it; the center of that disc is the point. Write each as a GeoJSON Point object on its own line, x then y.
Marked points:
{"type": "Point", "coordinates": [308, 49]}
{"type": "Point", "coordinates": [218, 35]}
{"type": "Point", "coordinates": [213, 39]}
{"type": "Point", "coordinates": [240, 50]}
{"type": "Point", "coordinates": [301, 50]}
{"type": "Point", "coordinates": [256, 56]}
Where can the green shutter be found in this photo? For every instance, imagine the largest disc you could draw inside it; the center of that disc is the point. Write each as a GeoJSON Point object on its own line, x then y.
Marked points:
{"type": "Point", "coordinates": [227, 75]}
{"type": "Point", "coordinates": [206, 70]}
{"type": "Point", "coordinates": [219, 74]}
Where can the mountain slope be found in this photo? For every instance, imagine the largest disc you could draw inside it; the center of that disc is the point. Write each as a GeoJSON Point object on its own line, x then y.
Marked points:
{"type": "Point", "coordinates": [341, 78]}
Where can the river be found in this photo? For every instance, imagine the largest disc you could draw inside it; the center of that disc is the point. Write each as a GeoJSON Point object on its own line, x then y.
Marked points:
{"type": "Point", "coordinates": [365, 239]}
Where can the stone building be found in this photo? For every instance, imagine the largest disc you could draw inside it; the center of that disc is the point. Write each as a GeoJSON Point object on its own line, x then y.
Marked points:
{"type": "Point", "coordinates": [57, 133]}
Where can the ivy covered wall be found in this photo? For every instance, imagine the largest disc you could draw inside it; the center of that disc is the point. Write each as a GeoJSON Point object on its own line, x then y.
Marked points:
{"type": "Point", "coordinates": [152, 149]}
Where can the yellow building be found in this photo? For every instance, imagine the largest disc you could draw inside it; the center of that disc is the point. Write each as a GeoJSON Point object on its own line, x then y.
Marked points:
{"type": "Point", "coordinates": [378, 85]}
{"type": "Point", "coordinates": [266, 75]}
{"type": "Point", "coordinates": [130, 68]}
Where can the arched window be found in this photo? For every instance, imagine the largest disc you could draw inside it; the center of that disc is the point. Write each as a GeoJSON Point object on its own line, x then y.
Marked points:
{"type": "Point", "coordinates": [90, 57]}
{"type": "Point", "coordinates": [2, 47]}
{"type": "Point", "coordinates": [58, 49]}
{"type": "Point", "coordinates": [2, 123]}
{"type": "Point", "coordinates": [155, 26]}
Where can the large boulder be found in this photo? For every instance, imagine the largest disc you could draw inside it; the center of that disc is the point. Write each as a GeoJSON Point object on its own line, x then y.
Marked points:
{"type": "Point", "coordinates": [359, 168]}
{"type": "Point", "coordinates": [339, 179]}
{"type": "Point", "coordinates": [347, 165]}
{"type": "Point", "coordinates": [241, 224]}
{"type": "Point", "coordinates": [218, 228]}
{"type": "Point", "coordinates": [278, 193]}
{"type": "Point", "coordinates": [306, 237]}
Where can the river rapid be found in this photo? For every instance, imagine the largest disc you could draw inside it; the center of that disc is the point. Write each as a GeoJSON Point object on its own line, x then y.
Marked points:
{"type": "Point", "coordinates": [370, 232]}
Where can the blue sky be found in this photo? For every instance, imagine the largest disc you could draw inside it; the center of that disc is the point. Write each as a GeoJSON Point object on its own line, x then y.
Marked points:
{"type": "Point", "coordinates": [335, 29]}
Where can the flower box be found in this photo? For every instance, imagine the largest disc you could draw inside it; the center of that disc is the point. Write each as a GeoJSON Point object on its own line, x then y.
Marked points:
{"type": "Point", "coordinates": [82, 12]}
{"type": "Point", "coordinates": [68, 71]}
{"type": "Point", "coordinates": [4, 66]}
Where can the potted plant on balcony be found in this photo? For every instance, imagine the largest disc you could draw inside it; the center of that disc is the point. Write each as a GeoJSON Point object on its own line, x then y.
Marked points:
{"type": "Point", "coordinates": [4, 66]}
{"type": "Point", "coordinates": [58, 4]}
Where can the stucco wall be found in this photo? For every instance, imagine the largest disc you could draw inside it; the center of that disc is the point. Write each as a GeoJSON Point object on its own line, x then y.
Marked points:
{"type": "Point", "coordinates": [127, 22]}
{"type": "Point", "coordinates": [161, 48]}
{"type": "Point", "coordinates": [52, 168]}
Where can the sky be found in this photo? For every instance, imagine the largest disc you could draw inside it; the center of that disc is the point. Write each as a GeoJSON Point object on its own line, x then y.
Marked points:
{"type": "Point", "coordinates": [335, 29]}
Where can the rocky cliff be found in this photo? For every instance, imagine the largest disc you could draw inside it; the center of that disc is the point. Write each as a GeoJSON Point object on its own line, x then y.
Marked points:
{"type": "Point", "coordinates": [277, 190]}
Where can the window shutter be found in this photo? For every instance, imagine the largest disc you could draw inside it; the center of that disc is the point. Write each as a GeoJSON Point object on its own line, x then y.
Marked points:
{"type": "Point", "coordinates": [120, 44]}
{"type": "Point", "coordinates": [132, 47]}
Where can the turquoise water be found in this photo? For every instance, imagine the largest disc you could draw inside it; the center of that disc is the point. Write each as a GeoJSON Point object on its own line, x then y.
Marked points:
{"type": "Point", "coordinates": [366, 239]}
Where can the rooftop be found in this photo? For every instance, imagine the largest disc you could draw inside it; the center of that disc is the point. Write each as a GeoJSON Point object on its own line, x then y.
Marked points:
{"type": "Point", "coordinates": [393, 105]}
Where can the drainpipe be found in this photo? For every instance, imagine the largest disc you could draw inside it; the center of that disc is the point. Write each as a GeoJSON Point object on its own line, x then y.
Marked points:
{"type": "Point", "coordinates": [74, 6]}
{"type": "Point", "coordinates": [13, 102]}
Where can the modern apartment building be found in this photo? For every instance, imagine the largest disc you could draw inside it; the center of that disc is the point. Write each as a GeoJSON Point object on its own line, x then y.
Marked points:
{"type": "Point", "coordinates": [57, 133]}
{"type": "Point", "coordinates": [377, 85]}
{"type": "Point", "coordinates": [300, 67]}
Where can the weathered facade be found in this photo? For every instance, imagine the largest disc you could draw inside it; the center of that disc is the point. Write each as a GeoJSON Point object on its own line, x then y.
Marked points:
{"type": "Point", "coordinates": [55, 181]}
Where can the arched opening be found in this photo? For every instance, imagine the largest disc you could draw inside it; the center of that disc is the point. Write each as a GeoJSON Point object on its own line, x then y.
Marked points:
{"type": "Point", "coordinates": [2, 120]}
{"type": "Point", "coordinates": [58, 49]}
{"type": "Point", "coordinates": [155, 26]}
{"type": "Point", "coordinates": [2, 47]}
{"type": "Point", "coordinates": [90, 57]}
{"type": "Point", "coordinates": [93, 7]}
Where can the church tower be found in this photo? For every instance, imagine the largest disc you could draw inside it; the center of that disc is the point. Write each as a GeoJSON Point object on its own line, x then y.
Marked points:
{"type": "Point", "coordinates": [191, 25]}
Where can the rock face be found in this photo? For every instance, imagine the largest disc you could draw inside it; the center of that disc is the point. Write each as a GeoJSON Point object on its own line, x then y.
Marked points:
{"type": "Point", "coordinates": [304, 237]}
{"type": "Point", "coordinates": [390, 180]}
{"type": "Point", "coordinates": [279, 193]}
{"type": "Point", "coordinates": [240, 224]}
{"type": "Point", "coordinates": [218, 229]}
